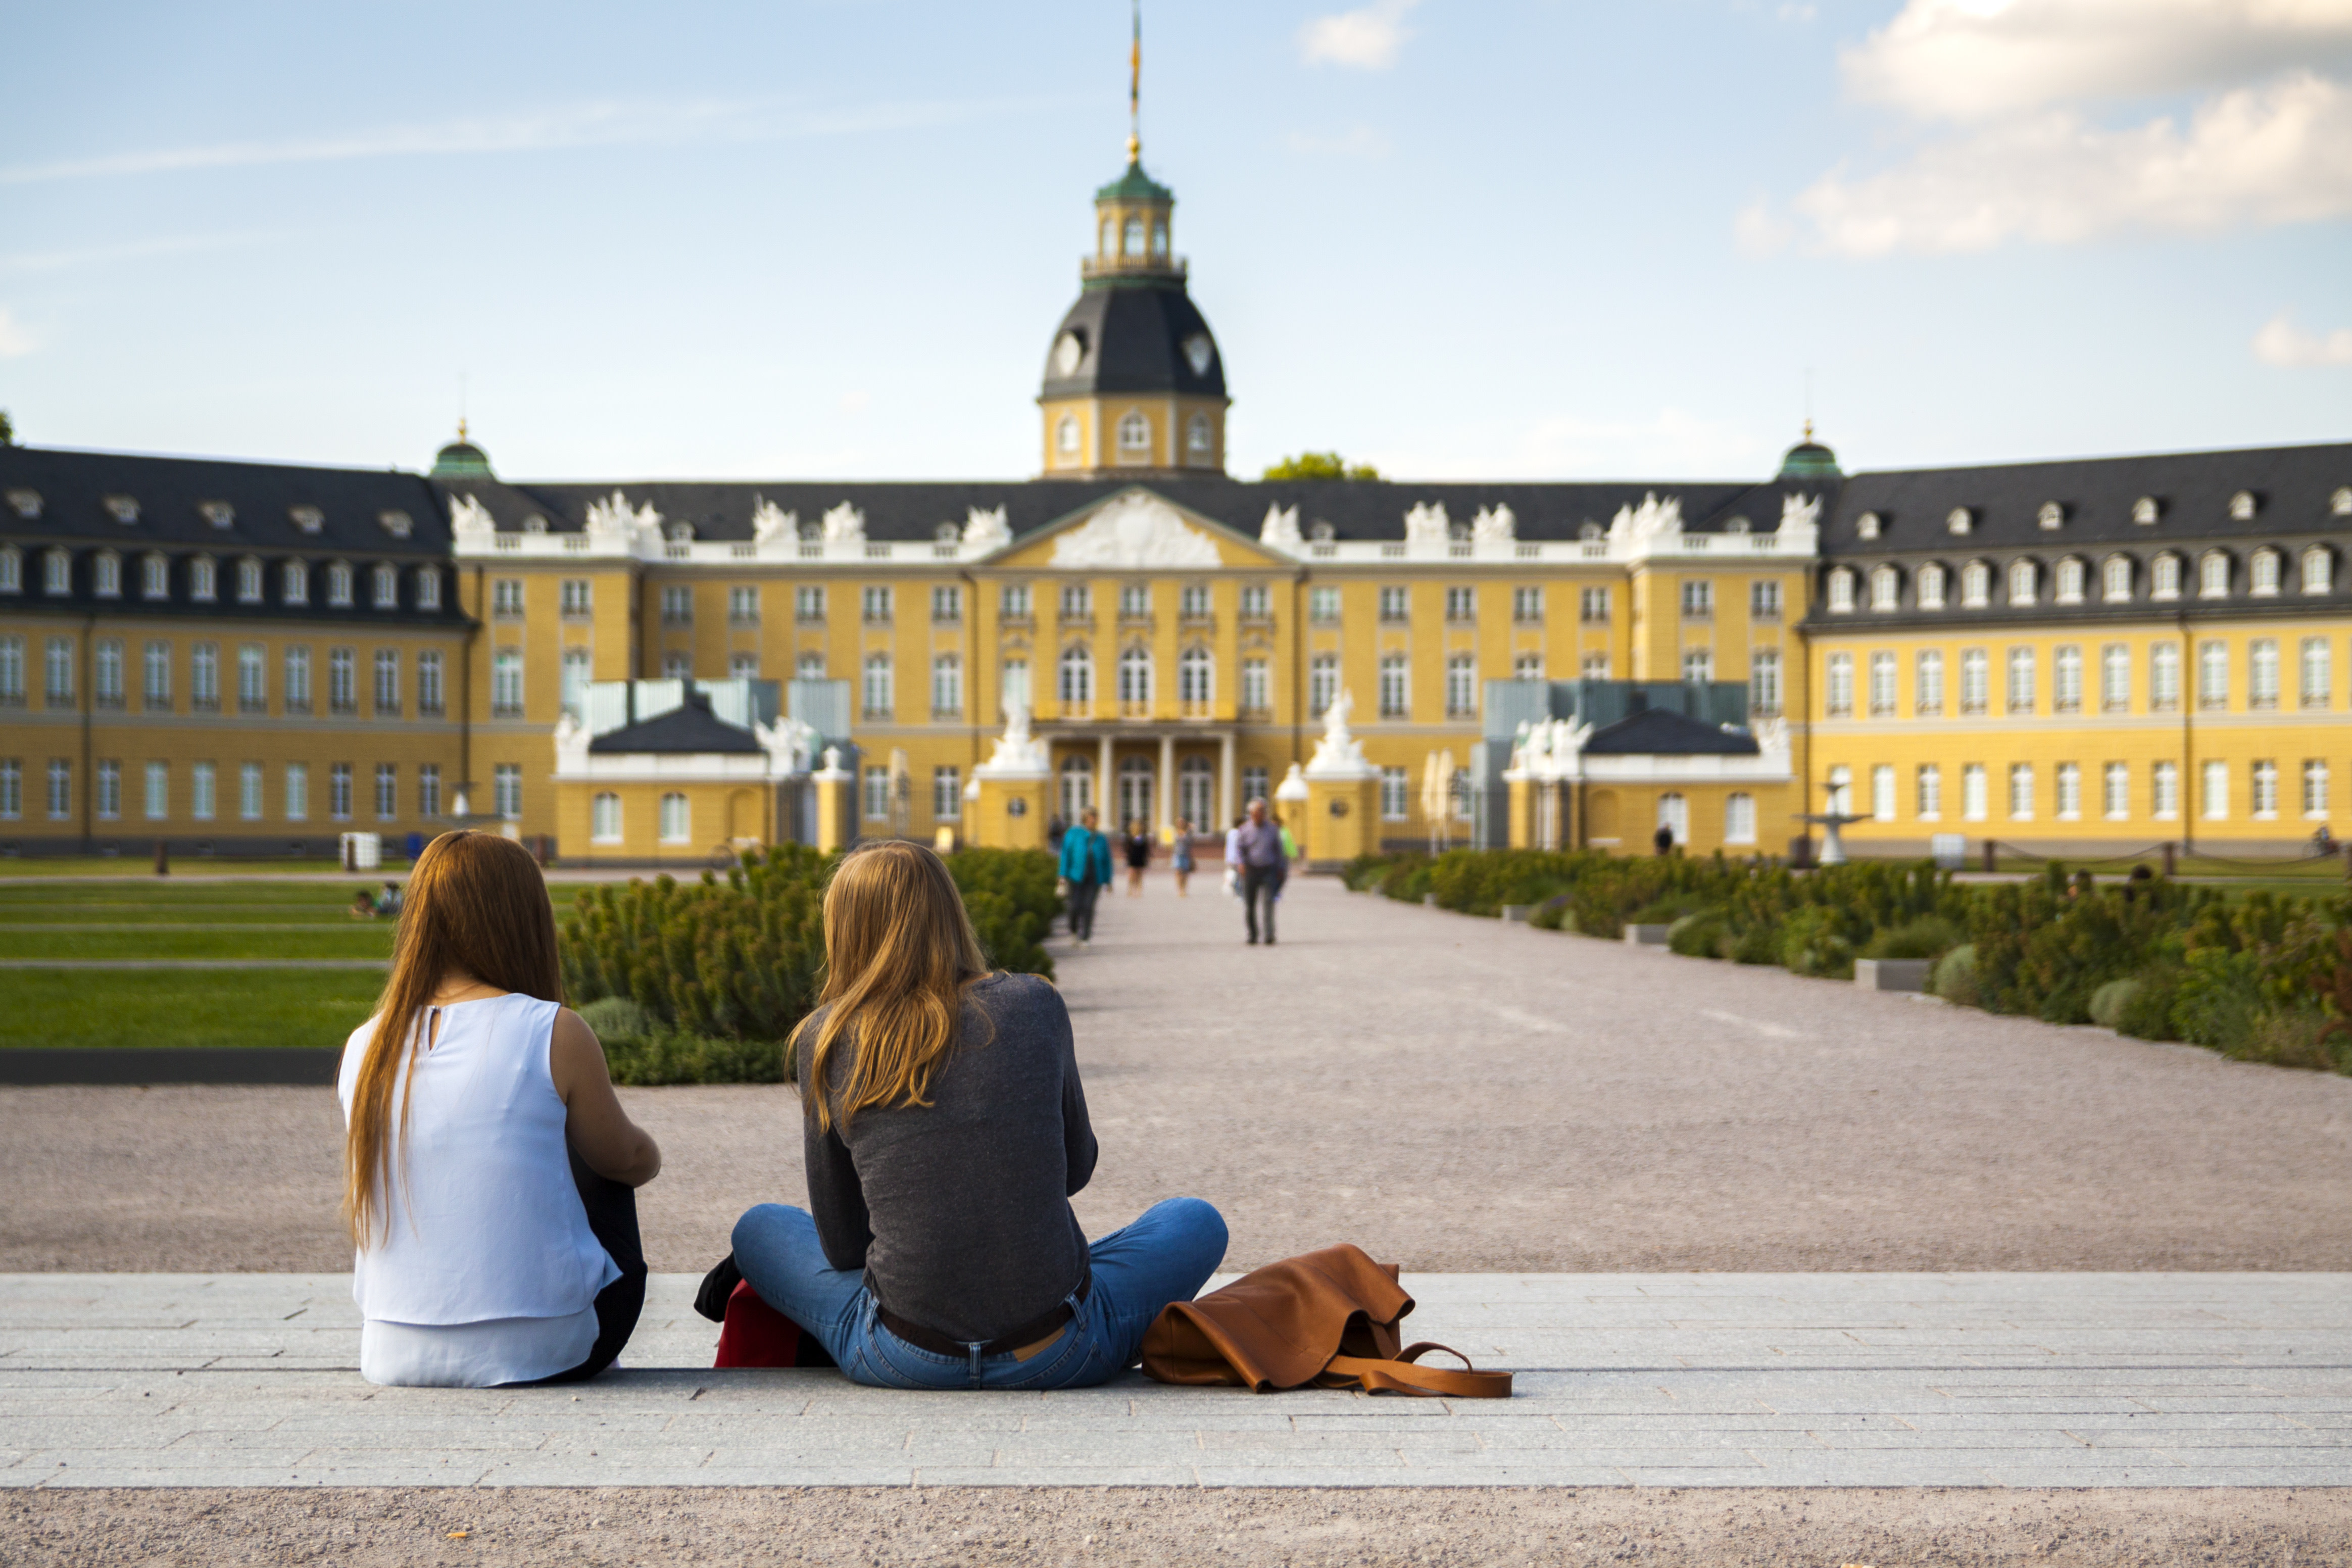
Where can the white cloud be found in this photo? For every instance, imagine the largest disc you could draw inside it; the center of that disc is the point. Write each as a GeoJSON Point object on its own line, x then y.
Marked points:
{"type": "Point", "coordinates": [1970, 60]}
{"type": "Point", "coordinates": [14, 341]}
{"type": "Point", "coordinates": [2253, 156]}
{"type": "Point", "coordinates": [1361, 142]}
{"type": "Point", "coordinates": [2282, 342]}
{"type": "Point", "coordinates": [1367, 37]}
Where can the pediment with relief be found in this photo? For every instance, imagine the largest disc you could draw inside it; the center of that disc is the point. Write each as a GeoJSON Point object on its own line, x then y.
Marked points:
{"type": "Point", "coordinates": [1135, 532]}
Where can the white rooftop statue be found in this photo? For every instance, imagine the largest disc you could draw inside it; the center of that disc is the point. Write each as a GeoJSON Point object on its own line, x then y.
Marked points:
{"type": "Point", "coordinates": [615, 515]}
{"type": "Point", "coordinates": [790, 743]}
{"type": "Point", "coordinates": [470, 517]}
{"type": "Point", "coordinates": [843, 524]}
{"type": "Point", "coordinates": [1648, 521]}
{"type": "Point", "coordinates": [771, 521]}
{"type": "Point", "coordinates": [1018, 752]}
{"type": "Point", "coordinates": [1425, 523]}
{"type": "Point", "coordinates": [1495, 525]}
{"type": "Point", "coordinates": [984, 527]}
{"type": "Point", "coordinates": [1280, 528]}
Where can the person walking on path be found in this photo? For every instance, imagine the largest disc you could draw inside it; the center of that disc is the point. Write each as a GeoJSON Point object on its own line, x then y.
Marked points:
{"type": "Point", "coordinates": [1179, 858]}
{"type": "Point", "coordinates": [1258, 849]}
{"type": "Point", "coordinates": [943, 1130]}
{"type": "Point", "coordinates": [489, 1173]}
{"type": "Point", "coordinates": [1085, 869]}
{"type": "Point", "coordinates": [1139, 857]}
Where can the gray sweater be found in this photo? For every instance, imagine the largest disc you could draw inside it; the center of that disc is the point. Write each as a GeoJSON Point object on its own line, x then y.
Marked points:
{"type": "Point", "coordinates": [960, 1211]}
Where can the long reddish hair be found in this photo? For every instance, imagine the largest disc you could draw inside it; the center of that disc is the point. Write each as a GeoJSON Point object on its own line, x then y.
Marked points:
{"type": "Point", "coordinates": [476, 904]}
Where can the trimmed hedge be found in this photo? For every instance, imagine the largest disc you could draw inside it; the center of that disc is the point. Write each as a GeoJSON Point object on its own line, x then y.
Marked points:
{"type": "Point", "coordinates": [2265, 978]}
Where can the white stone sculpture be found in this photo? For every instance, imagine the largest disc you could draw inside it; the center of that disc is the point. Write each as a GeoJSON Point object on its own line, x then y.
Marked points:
{"type": "Point", "coordinates": [843, 524]}
{"type": "Point", "coordinates": [1548, 750]}
{"type": "Point", "coordinates": [1135, 530]}
{"type": "Point", "coordinates": [1293, 788]}
{"type": "Point", "coordinates": [1018, 753]}
{"type": "Point", "coordinates": [1426, 523]}
{"type": "Point", "coordinates": [771, 524]}
{"type": "Point", "coordinates": [790, 743]}
{"type": "Point", "coordinates": [1801, 517]}
{"type": "Point", "coordinates": [984, 527]}
{"type": "Point", "coordinates": [1652, 520]}
{"type": "Point", "coordinates": [470, 522]}
{"type": "Point", "coordinates": [833, 772]}
{"type": "Point", "coordinates": [614, 521]}
{"type": "Point", "coordinates": [1280, 528]}
{"type": "Point", "coordinates": [1338, 755]}
{"type": "Point", "coordinates": [1493, 525]}
{"type": "Point", "coordinates": [572, 737]}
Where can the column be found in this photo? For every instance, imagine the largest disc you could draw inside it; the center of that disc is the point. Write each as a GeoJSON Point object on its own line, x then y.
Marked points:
{"type": "Point", "coordinates": [1167, 790]}
{"type": "Point", "coordinates": [1226, 783]}
{"type": "Point", "coordinates": [1106, 790]}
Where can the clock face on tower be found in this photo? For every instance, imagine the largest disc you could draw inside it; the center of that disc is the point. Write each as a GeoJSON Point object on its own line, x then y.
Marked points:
{"type": "Point", "coordinates": [1069, 348]}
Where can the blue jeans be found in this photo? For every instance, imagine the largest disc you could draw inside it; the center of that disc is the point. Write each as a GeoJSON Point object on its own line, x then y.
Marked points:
{"type": "Point", "coordinates": [1166, 1255]}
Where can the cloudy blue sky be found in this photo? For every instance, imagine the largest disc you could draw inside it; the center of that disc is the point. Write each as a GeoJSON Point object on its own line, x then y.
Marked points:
{"type": "Point", "coordinates": [1512, 239]}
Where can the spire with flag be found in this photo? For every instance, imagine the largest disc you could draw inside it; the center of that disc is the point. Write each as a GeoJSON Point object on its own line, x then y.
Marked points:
{"type": "Point", "coordinates": [1135, 90]}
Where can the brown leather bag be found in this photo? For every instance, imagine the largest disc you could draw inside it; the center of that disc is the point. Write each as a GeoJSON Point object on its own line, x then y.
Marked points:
{"type": "Point", "coordinates": [1327, 1319]}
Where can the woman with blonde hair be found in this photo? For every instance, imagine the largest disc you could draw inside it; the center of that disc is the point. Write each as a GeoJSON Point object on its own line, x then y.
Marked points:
{"type": "Point", "coordinates": [489, 1169]}
{"type": "Point", "coordinates": [944, 1129]}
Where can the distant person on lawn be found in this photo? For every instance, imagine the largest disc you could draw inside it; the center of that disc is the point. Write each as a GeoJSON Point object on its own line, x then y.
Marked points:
{"type": "Point", "coordinates": [1086, 871]}
{"type": "Point", "coordinates": [489, 1169]}
{"type": "Point", "coordinates": [1264, 860]}
{"type": "Point", "coordinates": [944, 1129]}
{"type": "Point", "coordinates": [1137, 845]}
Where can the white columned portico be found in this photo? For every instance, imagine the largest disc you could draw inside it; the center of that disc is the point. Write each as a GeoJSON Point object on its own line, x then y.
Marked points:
{"type": "Point", "coordinates": [1225, 784]}
{"type": "Point", "coordinates": [1166, 792]}
{"type": "Point", "coordinates": [1107, 789]}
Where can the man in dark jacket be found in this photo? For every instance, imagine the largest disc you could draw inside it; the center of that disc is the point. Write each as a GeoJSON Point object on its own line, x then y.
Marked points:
{"type": "Point", "coordinates": [1257, 846]}
{"type": "Point", "coordinates": [1086, 867]}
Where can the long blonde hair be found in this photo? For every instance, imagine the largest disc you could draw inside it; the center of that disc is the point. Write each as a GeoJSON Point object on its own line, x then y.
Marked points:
{"type": "Point", "coordinates": [476, 904]}
{"type": "Point", "coordinates": [899, 954]}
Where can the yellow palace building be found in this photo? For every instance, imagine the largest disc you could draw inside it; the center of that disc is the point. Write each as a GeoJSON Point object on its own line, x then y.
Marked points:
{"type": "Point", "coordinates": [239, 658]}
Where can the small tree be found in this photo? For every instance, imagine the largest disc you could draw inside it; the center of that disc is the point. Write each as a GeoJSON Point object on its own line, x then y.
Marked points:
{"type": "Point", "coordinates": [1320, 465]}
{"type": "Point", "coordinates": [7, 431]}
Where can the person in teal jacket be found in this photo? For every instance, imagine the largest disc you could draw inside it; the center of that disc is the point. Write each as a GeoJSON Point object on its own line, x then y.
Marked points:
{"type": "Point", "coordinates": [1086, 868]}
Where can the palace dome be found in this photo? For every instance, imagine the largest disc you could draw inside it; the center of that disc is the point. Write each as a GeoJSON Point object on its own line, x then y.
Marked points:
{"type": "Point", "coordinates": [1809, 459]}
{"type": "Point", "coordinates": [461, 459]}
{"type": "Point", "coordinates": [1134, 337]}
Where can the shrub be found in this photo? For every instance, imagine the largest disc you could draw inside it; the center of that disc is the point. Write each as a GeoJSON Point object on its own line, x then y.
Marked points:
{"type": "Point", "coordinates": [1955, 977]}
{"type": "Point", "coordinates": [1757, 945]}
{"type": "Point", "coordinates": [670, 1056]}
{"type": "Point", "coordinates": [2108, 1001]}
{"type": "Point", "coordinates": [1811, 943]}
{"type": "Point", "coordinates": [1924, 936]}
{"type": "Point", "coordinates": [1698, 935]}
{"type": "Point", "coordinates": [2146, 1011]}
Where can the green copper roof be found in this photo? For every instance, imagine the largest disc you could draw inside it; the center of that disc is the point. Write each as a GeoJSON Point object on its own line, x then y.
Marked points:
{"type": "Point", "coordinates": [1135, 185]}
{"type": "Point", "coordinates": [461, 460]}
{"type": "Point", "coordinates": [1810, 460]}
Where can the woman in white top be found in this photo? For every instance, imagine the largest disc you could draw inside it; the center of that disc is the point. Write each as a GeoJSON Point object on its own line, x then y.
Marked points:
{"type": "Point", "coordinates": [489, 1170]}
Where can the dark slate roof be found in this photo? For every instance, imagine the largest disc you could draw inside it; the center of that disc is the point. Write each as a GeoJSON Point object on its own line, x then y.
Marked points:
{"type": "Point", "coordinates": [1135, 330]}
{"type": "Point", "coordinates": [1355, 508]}
{"type": "Point", "coordinates": [690, 729]}
{"type": "Point", "coordinates": [1660, 732]}
{"type": "Point", "coordinates": [2293, 484]}
{"type": "Point", "coordinates": [73, 488]}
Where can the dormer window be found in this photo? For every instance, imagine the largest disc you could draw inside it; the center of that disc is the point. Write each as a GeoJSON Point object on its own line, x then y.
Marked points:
{"type": "Point", "coordinates": [2263, 574]}
{"type": "Point", "coordinates": [2115, 579]}
{"type": "Point", "coordinates": [2164, 577]}
{"type": "Point", "coordinates": [2213, 576]}
{"type": "Point", "coordinates": [106, 575]}
{"type": "Point", "coordinates": [2340, 503]}
{"type": "Point", "coordinates": [25, 504]}
{"type": "Point", "coordinates": [1931, 586]}
{"type": "Point", "coordinates": [1591, 533]}
{"type": "Point", "coordinates": [2024, 579]}
{"type": "Point", "coordinates": [1321, 533]}
{"type": "Point", "coordinates": [12, 570]}
{"type": "Point", "coordinates": [249, 580]}
{"type": "Point", "coordinates": [2052, 517]}
{"type": "Point", "coordinates": [1885, 588]}
{"type": "Point", "coordinates": [1841, 591]}
{"type": "Point", "coordinates": [1866, 526]}
{"type": "Point", "coordinates": [57, 573]}
{"type": "Point", "coordinates": [309, 519]}
{"type": "Point", "coordinates": [2243, 505]}
{"type": "Point", "coordinates": [387, 586]}
{"type": "Point", "coordinates": [2068, 588]}
{"type": "Point", "coordinates": [428, 588]}
{"type": "Point", "coordinates": [155, 577]}
{"type": "Point", "coordinates": [121, 508]}
{"type": "Point", "coordinates": [203, 580]}
{"type": "Point", "coordinates": [219, 513]}
{"type": "Point", "coordinates": [395, 523]}
{"type": "Point", "coordinates": [2145, 511]}
{"type": "Point", "coordinates": [1960, 520]}
{"type": "Point", "coordinates": [2318, 570]}
{"type": "Point", "coordinates": [294, 583]}
{"type": "Point", "coordinates": [339, 584]}
{"type": "Point", "coordinates": [678, 532]}
{"type": "Point", "coordinates": [1976, 584]}
{"type": "Point", "coordinates": [534, 524]}
{"type": "Point", "coordinates": [1738, 525]}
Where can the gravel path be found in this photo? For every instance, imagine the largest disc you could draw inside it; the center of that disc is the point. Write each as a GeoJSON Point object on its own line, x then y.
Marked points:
{"type": "Point", "coordinates": [1453, 1094]}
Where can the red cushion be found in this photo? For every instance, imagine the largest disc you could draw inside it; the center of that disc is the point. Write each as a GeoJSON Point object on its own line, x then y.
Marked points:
{"type": "Point", "coordinates": [756, 1334]}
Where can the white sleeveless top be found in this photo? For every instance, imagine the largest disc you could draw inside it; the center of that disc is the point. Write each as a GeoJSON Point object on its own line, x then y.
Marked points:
{"type": "Point", "coordinates": [486, 1239]}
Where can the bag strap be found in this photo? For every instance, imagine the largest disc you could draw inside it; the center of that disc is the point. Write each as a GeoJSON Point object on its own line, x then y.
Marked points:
{"type": "Point", "coordinates": [1375, 1376]}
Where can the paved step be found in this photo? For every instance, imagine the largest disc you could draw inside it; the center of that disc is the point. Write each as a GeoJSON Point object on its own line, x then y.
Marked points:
{"type": "Point", "coordinates": [1819, 1380]}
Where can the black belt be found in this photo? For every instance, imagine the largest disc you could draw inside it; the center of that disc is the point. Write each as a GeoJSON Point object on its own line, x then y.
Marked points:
{"type": "Point", "coordinates": [1020, 1338]}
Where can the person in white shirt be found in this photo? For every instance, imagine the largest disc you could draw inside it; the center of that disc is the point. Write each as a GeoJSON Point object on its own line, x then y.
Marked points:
{"type": "Point", "coordinates": [489, 1173]}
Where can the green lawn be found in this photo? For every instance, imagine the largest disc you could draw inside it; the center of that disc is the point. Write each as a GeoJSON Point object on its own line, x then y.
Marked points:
{"type": "Point", "coordinates": [130, 866]}
{"type": "Point", "coordinates": [160, 1007]}
{"type": "Point", "coordinates": [192, 941]}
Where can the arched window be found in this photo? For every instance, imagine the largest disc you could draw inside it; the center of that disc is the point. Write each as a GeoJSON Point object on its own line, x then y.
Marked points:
{"type": "Point", "coordinates": [877, 693]}
{"type": "Point", "coordinates": [1976, 584]}
{"type": "Point", "coordinates": [1841, 589]}
{"type": "Point", "coordinates": [2164, 577]}
{"type": "Point", "coordinates": [294, 583]}
{"type": "Point", "coordinates": [2263, 574]}
{"type": "Point", "coordinates": [2024, 581]}
{"type": "Point", "coordinates": [2213, 576]}
{"type": "Point", "coordinates": [12, 570]}
{"type": "Point", "coordinates": [57, 573]}
{"type": "Point", "coordinates": [1131, 240]}
{"type": "Point", "coordinates": [155, 577]}
{"type": "Point", "coordinates": [249, 580]}
{"type": "Point", "coordinates": [2115, 579]}
{"type": "Point", "coordinates": [106, 574]}
{"type": "Point", "coordinates": [387, 586]}
{"type": "Point", "coordinates": [1197, 439]}
{"type": "Point", "coordinates": [1195, 678]}
{"type": "Point", "coordinates": [1135, 433]}
{"type": "Point", "coordinates": [1931, 586]}
{"type": "Point", "coordinates": [339, 584]}
{"type": "Point", "coordinates": [1885, 588]}
{"type": "Point", "coordinates": [1673, 815]}
{"type": "Point", "coordinates": [1065, 435]}
{"type": "Point", "coordinates": [2318, 570]}
{"type": "Point", "coordinates": [677, 819]}
{"type": "Point", "coordinates": [1135, 677]}
{"type": "Point", "coordinates": [1159, 241]}
{"type": "Point", "coordinates": [1078, 677]}
{"type": "Point", "coordinates": [1077, 786]}
{"type": "Point", "coordinates": [1106, 239]}
{"type": "Point", "coordinates": [2071, 576]}
{"type": "Point", "coordinates": [604, 819]}
{"type": "Point", "coordinates": [428, 588]}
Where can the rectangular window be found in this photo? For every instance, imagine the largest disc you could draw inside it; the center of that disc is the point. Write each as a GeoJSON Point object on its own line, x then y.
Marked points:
{"type": "Point", "coordinates": [2213, 674]}
{"type": "Point", "coordinates": [810, 667]}
{"type": "Point", "coordinates": [60, 789]}
{"type": "Point", "coordinates": [947, 687]}
{"type": "Point", "coordinates": [1255, 784]}
{"type": "Point", "coordinates": [1838, 695]}
{"type": "Point", "coordinates": [604, 819]}
{"type": "Point", "coordinates": [2164, 791]}
{"type": "Point", "coordinates": [387, 683]}
{"type": "Point", "coordinates": [2115, 792]}
{"type": "Point", "coordinates": [1592, 605]}
{"type": "Point", "coordinates": [1698, 598]}
{"type": "Point", "coordinates": [1396, 690]}
{"type": "Point", "coordinates": [1012, 602]}
{"type": "Point", "coordinates": [248, 791]}
{"type": "Point", "coordinates": [743, 606]}
{"type": "Point", "coordinates": [2164, 677]}
{"type": "Point", "coordinates": [875, 602]}
{"type": "Point", "coordinates": [1396, 604]}
{"type": "Point", "coordinates": [2115, 678]}
{"type": "Point", "coordinates": [877, 693]}
{"type": "Point", "coordinates": [1881, 686]}
{"type": "Point", "coordinates": [159, 677]}
{"type": "Point", "coordinates": [338, 791]}
{"type": "Point", "coordinates": [1976, 679]}
{"type": "Point", "coordinates": [1973, 804]}
{"type": "Point", "coordinates": [578, 596]}
{"type": "Point", "coordinates": [1699, 665]}
{"type": "Point", "coordinates": [1078, 602]}
{"type": "Point", "coordinates": [202, 791]}
{"type": "Point", "coordinates": [677, 606]}
{"type": "Point", "coordinates": [1930, 793]}
{"type": "Point", "coordinates": [506, 683]}
{"type": "Point", "coordinates": [808, 601]}
{"type": "Point", "coordinates": [12, 788]}
{"type": "Point", "coordinates": [1593, 666]}
{"type": "Point", "coordinates": [109, 789]}
{"type": "Point", "coordinates": [877, 792]}
{"type": "Point", "coordinates": [947, 794]}
{"type": "Point", "coordinates": [297, 680]}
{"type": "Point", "coordinates": [1323, 603]}
{"type": "Point", "coordinates": [2217, 792]}
{"type": "Point", "coordinates": [342, 680]}
{"type": "Point", "coordinates": [2265, 791]}
{"type": "Point", "coordinates": [2066, 680]}
{"type": "Point", "coordinates": [1258, 601]}
{"type": "Point", "coordinates": [387, 790]}
{"type": "Point", "coordinates": [252, 678]}
{"type": "Point", "coordinates": [58, 672]}
{"type": "Point", "coordinates": [428, 683]}
{"type": "Point", "coordinates": [429, 790]}
{"type": "Point", "coordinates": [2020, 680]}
{"type": "Point", "coordinates": [1013, 690]}
{"type": "Point", "coordinates": [159, 791]}
{"type": "Point", "coordinates": [1928, 683]}
{"type": "Point", "coordinates": [1394, 794]}
{"type": "Point", "coordinates": [2314, 789]}
{"type": "Point", "coordinates": [2021, 792]}
{"type": "Point", "coordinates": [12, 672]}
{"type": "Point", "coordinates": [1882, 791]}
{"type": "Point", "coordinates": [1257, 686]}
{"type": "Point", "coordinates": [2313, 689]}
{"type": "Point", "coordinates": [506, 786]}
{"type": "Point", "coordinates": [1193, 602]}
{"type": "Point", "coordinates": [947, 604]}
{"type": "Point", "coordinates": [1462, 686]}
{"type": "Point", "coordinates": [1322, 683]}
{"type": "Point", "coordinates": [1461, 605]}
{"type": "Point", "coordinates": [2070, 792]}
{"type": "Point", "coordinates": [1764, 600]}
{"type": "Point", "coordinates": [742, 666]}
{"type": "Point", "coordinates": [506, 595]}
{"type": "Point", "coordinates": [1134, 601]}
{"type": "Point", "coordinates": [297, 791]}
{"type": "Point", "coordinates": [1763, 681]}
{"type": "Point", "coordinates": [2262, 673]}
{"type": "Point", "coordinates": [106, 672]}
{"type": "Point", "coordinates": [1527, 605]}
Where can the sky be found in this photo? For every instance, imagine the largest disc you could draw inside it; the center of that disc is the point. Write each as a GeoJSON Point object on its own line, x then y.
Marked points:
{"type": "Point", "coordinates": [1520, 239]}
